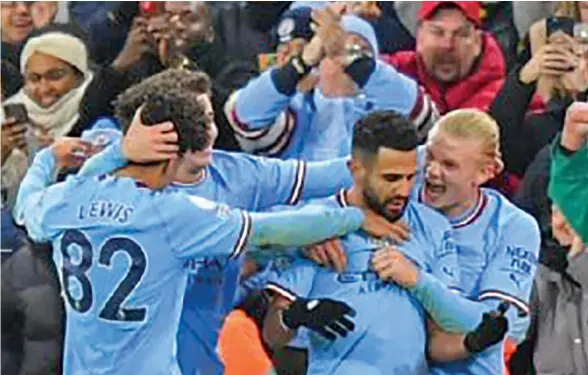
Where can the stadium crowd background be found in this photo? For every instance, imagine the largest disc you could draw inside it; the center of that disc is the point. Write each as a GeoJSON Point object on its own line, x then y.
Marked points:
{"type": "Point", "coordinates": [525, 70]}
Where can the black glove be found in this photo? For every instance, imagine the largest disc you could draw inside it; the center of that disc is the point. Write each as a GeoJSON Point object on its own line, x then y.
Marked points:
{"type": "Point", "coordinates": [323, 316]}
{"type": "Point", "coordinates": [490, 331]}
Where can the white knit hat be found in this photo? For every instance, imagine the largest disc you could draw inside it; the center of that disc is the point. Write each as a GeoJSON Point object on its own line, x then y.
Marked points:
{"type": "Point", "coordinates": [64, 46]}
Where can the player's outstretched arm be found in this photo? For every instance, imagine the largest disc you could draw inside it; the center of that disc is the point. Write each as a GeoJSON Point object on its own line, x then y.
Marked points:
{"type": "Point", "coordinates": [302, 227]}
{"type": "Point", "coordinates": [107, 161]}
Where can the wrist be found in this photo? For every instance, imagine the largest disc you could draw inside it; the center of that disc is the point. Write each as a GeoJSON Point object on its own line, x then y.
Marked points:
{"type": "Point", "coordinates": [470, 343]}
{"type": "Point", "coordinates": [420, 282]}
{"type": "Point", "coordinates": [286, 320]}
{"type": "Point", "coordinates": [571, 140]}
{"type": "Point", "coordinates": [527, 75]}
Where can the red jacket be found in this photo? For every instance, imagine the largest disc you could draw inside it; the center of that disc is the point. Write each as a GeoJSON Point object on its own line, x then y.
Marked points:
{"type": "Point", "coordinates": [477, 90]}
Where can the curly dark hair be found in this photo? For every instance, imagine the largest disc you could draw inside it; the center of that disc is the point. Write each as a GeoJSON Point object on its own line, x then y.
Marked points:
{"type": "Point", "coordinates": [386, 129]}
{"type": "Point", "coordinates": [171, 95]}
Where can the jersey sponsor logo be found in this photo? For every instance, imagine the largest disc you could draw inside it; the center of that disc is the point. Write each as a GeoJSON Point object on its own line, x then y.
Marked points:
{"type": "Point", "coordinates": [208, 270]}
{"type": "Point", "coordinates": [516, 280]}
{"type": "Point", "coordinates": [369, 281]}
{"type": "Point", "coordinates": [521, 262]}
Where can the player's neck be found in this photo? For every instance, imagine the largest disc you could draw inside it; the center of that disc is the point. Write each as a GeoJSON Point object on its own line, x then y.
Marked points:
{"type": "Point", "coordinates": [355, 199]}
{"type": "Point", "coordinates": [463, 208]}
{"type": "Point", "coordinates": [149, 175]}
{"type": "Point", "coordinates": [189, 175]}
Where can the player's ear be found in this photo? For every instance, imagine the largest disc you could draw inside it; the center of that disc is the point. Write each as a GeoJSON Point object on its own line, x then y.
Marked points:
{"type": "Point", "coordinates": [357, 169]}
{"type": "Point", "coordinates": [486, 172]}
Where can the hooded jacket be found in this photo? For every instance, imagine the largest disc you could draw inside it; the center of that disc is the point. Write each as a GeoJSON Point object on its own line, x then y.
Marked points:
{"type": "Point", "coordinates": [477, 90]}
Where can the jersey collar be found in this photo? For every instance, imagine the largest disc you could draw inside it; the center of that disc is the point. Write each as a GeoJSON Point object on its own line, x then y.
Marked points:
{"type": "Point", "coordinates": [195, 183]}
{"type": "Point", "coordinates": [467, 218]}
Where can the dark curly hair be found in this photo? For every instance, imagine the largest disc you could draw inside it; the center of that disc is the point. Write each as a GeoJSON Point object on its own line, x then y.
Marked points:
{"type": "Point", "coordinates": [171, 95]}
{"type": "Point", "coordinates": [387, 129]}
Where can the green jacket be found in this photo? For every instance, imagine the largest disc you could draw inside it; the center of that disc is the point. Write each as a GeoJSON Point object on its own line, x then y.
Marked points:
{"type": "Point", "coordinates": [568, 187]}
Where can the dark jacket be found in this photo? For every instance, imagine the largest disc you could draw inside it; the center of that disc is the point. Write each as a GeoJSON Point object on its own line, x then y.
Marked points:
{"type": "Point", "coordinates": [523, 134]}
{"type": "Point", "coordinates": [32, 314]}
{"type": "Point", "coordinates": [226, 72]}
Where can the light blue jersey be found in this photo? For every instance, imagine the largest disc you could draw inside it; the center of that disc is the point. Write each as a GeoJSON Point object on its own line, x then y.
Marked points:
{"type": "Point", "coordinates": [245, 182]}
{"type": "Point", "coordinates": [498, 248]}
{"type": "Point", "coordinates": [390, 326]}
{"type": "Point", "coordinates": [121, 251]}
{"type": "Point", "coordinates": [311, 126]}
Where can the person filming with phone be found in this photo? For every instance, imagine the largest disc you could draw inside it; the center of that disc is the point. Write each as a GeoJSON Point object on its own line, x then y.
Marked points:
{"type": "Point", "coordinates": [54, 64]}
{"type": "Point", "coordinates": [557, 73]}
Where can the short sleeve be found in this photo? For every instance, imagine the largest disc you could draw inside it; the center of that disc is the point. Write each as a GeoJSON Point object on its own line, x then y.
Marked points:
{"type": "Point", "coordinates": [510, 273]}
{"type": "Point", "coordinates": [293, 282]}
{"type": "Point", "coordinates": [198, 227]}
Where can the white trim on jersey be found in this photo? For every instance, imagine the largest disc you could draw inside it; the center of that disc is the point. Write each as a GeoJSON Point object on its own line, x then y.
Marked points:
{"type": "Point", "coordinates": [281, 291]}
{"type": "Point", "coordinates": [522, 306]}
{"type": "Point", "coordinates": [298, 183]}
{"type": "Point", "coordinates": [424, 113]}
{"type": "Point", "coordinates": [243, 236]}
{"type": "Point", "coordinates": [269, 141]}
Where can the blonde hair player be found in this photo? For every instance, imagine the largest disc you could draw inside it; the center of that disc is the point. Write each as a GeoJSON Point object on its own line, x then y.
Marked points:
{"type": "Point", "coordinates": [497, 243]}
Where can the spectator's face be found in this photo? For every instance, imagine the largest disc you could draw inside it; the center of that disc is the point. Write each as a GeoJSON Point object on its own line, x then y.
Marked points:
{"type": "Point", "coordinates": [199, 159]}
{"type": "Point", "coordinates": [448, 44]}
{"type": "Point", "coordinates": [195, 21]}
{"type": "Point", "coordinates": [17, 22]}
{"type": "Point", "coordinates": [583, 6]}
{"type": "Point", "coordinates": [455, 169]}
{"type": "Point", "coordinates": [48, 78]}
{"type": "Point", "coordinates": [43, 13]}
{"type": "Point", "coordinates": [386, 181]}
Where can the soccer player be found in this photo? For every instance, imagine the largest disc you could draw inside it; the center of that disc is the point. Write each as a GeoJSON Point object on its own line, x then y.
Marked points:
{"type": "Point", "coordinates": [317, 125]}
{"type": "Point", "coordinates": [497, 243]}
{"type": "Point", "coordinates": [123, 242]}
{"type": "Point", "coordinates": [389, 334]}
{"type": "Point", "coordinates": [239, 180]}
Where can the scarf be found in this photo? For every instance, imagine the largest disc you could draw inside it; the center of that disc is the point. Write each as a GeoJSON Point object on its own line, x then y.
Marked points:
{"type": "Point", "coordinates": [59, 118]}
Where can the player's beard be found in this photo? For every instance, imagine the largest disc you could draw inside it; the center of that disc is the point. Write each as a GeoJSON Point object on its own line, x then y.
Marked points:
{"type": "Point", "coordinates": [373, 202]}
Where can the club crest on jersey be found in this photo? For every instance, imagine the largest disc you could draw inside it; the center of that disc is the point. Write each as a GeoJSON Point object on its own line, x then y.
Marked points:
{"type": "Point", "coordinates": [222, 210]}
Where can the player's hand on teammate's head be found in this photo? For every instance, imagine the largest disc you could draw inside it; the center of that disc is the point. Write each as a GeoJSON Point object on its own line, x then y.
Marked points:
{"type": "Point", "coordinates": [378, 226]}
{"type": "Point", "coordinates": [144, 144]}
{"type": "Point", "coordinates": [327, 317]}
{"type": "Point", "coordinates": [70, 152]}
{"type": "Point", "coordinates": [491, 330]}
{"type": "Point", "coordinates": [329, 253]}
{"type": "Point", "coordinates": [391, 265]}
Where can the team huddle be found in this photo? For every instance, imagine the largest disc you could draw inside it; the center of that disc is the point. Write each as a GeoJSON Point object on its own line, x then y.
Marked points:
{"type": "Point", "coordinates": [134, 238]}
